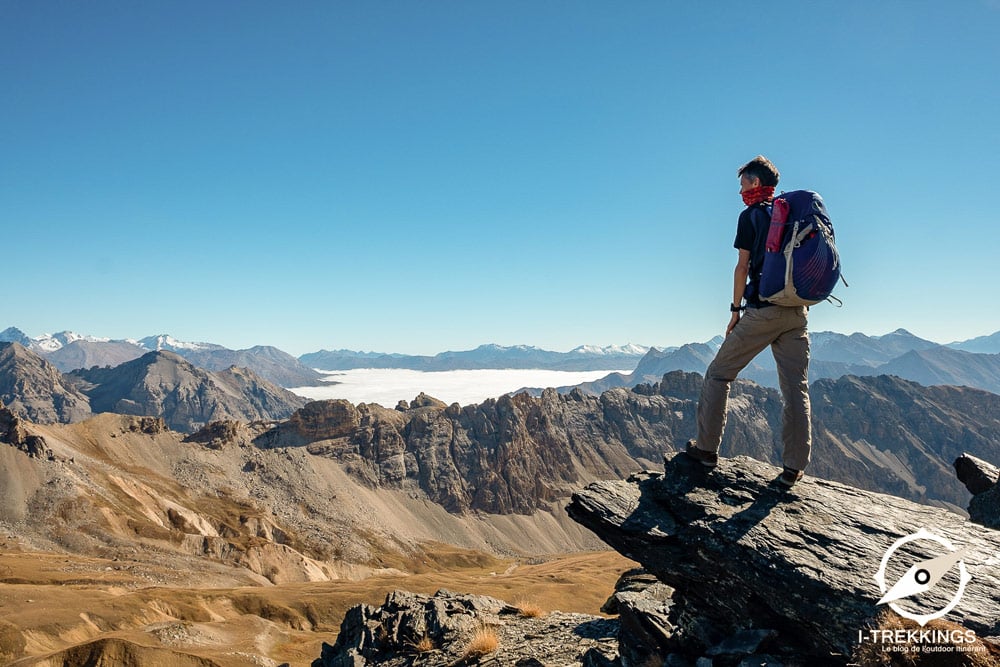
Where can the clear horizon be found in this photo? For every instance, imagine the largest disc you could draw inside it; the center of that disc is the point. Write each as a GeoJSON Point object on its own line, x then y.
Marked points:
{"type": "Point", "coordinates": [297, 354]}
{"type": "Point", "coordinates": [421, 177]}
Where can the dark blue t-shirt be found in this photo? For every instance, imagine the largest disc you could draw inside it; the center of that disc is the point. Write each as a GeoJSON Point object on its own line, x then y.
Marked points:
{"type": "Point", "coordinates": [751, 235]}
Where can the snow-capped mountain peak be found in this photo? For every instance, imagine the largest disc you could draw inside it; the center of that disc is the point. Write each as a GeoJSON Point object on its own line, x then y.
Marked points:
{"type": "Point", "coordinates": [57, 341]}
{"type": "Point", "coordinates": [171, 344]}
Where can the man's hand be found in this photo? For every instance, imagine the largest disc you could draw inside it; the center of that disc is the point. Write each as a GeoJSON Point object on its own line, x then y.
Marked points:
{"type": "Point", "coordinates": [733, 321]}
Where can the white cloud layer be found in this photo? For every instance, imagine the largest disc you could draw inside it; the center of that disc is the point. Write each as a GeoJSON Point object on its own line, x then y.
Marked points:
{"type": "Point", "coordinates": [388, 386]}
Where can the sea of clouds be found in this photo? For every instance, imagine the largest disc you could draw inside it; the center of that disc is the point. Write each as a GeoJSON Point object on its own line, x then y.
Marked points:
{"type": "Point", "coordinates": [388, 386]}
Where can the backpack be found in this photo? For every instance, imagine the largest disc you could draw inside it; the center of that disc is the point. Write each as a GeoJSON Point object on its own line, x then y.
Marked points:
{"type": "Point", "coordinates": [801, 263]}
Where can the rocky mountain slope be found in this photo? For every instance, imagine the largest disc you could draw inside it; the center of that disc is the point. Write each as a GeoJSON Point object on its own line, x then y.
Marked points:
{"type": "Point", "coordinates": [900, 437]}
{"type": "Point", "coordinates": [122, 542]}
{"type": "Point", "coordinates": [163, 384]}
{"type": "Point", "coordinates": [127, 489]}
{"type": "Point", "coordinates": [510, 455]}
{"type": "Point", "coordinates": [36, 390]}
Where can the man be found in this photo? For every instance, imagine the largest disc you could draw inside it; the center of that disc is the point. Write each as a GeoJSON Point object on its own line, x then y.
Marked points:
{"type": "Point", "coordinates": [761, 324]}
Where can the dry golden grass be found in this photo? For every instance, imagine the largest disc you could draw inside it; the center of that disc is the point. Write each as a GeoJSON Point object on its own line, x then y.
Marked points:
{"type": "Point", "coordinates": [483, 642]}
{"type": "Point", "coordinates": [299, 616]}
{"type": "Point", "coordinates": [529, 609]}
{"type": "Point", "coordinates": [425, 645]}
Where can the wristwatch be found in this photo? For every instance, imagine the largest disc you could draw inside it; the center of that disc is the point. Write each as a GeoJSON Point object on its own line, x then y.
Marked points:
{"type": "Point", "coordinates": [735, 309]}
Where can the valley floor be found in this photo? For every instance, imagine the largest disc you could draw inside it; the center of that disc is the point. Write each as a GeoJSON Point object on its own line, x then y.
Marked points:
{"type": "Point", "coordinates": [50, 602]}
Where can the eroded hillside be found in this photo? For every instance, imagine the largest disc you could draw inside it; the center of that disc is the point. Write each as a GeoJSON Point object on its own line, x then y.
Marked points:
{"type": "Point", "coordinates": [119, 537]}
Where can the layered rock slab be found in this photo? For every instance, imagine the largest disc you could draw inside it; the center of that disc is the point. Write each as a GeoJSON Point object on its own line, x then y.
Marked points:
{"type": "Point", "coordinates": [744, 553]}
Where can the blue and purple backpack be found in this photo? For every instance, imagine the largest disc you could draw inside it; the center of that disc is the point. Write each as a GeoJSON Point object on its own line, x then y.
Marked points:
{"type": "Point", "coordinates": [801, 262]}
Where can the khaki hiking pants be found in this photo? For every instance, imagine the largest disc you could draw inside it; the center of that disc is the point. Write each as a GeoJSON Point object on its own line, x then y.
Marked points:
{"type": "Point", "coordinates": [784, 329]}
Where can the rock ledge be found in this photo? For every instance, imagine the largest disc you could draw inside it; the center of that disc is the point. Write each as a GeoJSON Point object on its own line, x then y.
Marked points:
{"type": "Point", "coordinates": [797, 566]}
{"type": "Point", "coordinates": [435, 631]}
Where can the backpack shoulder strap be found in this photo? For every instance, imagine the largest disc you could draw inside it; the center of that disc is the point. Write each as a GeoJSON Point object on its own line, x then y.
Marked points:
{"type": "Point", "coordinates": [757, 210]}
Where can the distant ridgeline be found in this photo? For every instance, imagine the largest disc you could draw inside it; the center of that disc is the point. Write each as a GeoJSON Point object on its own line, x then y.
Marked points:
{"type": "Point", "coordinates": [974, 363]}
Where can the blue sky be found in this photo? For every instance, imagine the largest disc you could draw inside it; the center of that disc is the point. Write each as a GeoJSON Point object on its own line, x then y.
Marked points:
{"type": "Point", "coordinates": [424, 176]}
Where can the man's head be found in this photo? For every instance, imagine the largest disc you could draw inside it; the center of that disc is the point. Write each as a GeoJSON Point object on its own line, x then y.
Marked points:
{"type": "Point", "coordinates": [758, 172]}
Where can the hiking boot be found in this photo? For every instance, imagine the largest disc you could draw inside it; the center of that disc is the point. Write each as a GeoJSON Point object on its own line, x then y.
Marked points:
{"type": "Point", "coordinates": [707, 459]}
{"type": "Point", "coordinates": [789, 476]}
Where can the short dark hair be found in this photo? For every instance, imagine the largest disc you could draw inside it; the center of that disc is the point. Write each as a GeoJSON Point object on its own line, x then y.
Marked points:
{"type": "Point", "coordinates": [762, 168]}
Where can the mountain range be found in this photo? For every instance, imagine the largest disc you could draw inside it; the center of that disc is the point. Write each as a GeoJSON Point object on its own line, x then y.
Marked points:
{"type": "Point", "coordinates": [69, 351]}
{"type": "Point", "coordinates": [157, 384]}
{"type": "Point", "coordinates": [834, 355]}
{"type": "Point", "coordinates": [582, 358]}
{"type": "Point", "coordinates": [973, 363]}
{"type": "Point", "coordinates": [916, 430]}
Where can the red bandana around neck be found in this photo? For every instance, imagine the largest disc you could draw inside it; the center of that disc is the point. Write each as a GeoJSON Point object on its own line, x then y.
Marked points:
{"type": "Point", "coordinates": [758, 194]}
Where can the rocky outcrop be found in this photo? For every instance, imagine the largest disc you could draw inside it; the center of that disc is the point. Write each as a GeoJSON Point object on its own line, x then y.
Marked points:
{"type": "Point", "coordinates": [983, 481]}
{"type": "Point", "coordinates": [642, 604]}
{"type": "Point", "coordinates": [14, 433]}
{"type": "Point", "coordinates": [449, 629]}
{"type": "Point", "coordinates": [977, 475]}
{"type": "Point", "coordinates": [218, 434]}
{"type": "Point", "coordinates": [793, 570]}
{"type": "Point", "coordinates": [514, 454]}
{"type": "Point", "coordinates": [162, 384]}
